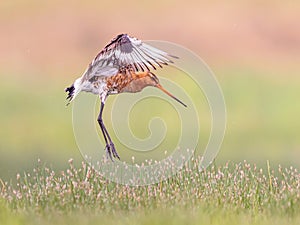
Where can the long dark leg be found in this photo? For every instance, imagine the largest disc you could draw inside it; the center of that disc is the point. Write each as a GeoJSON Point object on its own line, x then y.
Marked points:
{"type": "Point", "coordinates": [101, 124]}
{"type": "Point", "coordinates": [110, 147]}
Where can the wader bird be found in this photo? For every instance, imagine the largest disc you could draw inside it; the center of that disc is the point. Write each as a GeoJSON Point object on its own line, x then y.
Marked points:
{"type": "Point", "coordinates": [122, 66]}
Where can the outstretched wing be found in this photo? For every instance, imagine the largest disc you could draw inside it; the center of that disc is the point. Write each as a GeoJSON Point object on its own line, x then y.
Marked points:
{"type": "Point", "coordinates": [125, 51]}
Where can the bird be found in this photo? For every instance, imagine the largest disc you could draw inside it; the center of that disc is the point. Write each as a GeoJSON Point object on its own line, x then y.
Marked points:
{"type": "Point", "coordinates": [124, 65]}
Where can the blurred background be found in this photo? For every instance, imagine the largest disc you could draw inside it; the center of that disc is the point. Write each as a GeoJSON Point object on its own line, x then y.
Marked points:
{"type": "Point", "coordinates": [253, 47]}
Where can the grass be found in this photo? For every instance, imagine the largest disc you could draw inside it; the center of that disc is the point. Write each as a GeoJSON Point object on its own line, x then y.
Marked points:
{"type": "Point", "coordinates": [229, 194]}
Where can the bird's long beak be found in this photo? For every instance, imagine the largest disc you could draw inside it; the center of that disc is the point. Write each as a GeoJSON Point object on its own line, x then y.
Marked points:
{"type": "Point", "coordinates": [168, 93]}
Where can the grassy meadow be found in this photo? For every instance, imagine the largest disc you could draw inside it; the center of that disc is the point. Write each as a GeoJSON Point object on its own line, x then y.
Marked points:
{"type": "Point", "coordinates": [253, 51]}
{"type": "Point", "coordinates": [228, 194]}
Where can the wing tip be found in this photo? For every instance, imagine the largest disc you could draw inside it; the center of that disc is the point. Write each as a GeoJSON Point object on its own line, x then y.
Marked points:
{"type": "Point", "coordinates": [173, 56]}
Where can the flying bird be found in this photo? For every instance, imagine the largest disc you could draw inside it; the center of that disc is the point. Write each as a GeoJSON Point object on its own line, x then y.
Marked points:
{"type": "Point", "coordinates": [124, 65]}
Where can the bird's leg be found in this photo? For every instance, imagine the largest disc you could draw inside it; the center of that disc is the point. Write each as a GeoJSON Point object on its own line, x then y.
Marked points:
{"type": "Point", "coordinates": [101, 124]}
{"type": "Point", "coordinates": [110, 147]}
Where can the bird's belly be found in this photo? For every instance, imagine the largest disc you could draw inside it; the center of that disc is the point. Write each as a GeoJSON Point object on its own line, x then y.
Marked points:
{"type": "Point", "coordinates": [96, 86]}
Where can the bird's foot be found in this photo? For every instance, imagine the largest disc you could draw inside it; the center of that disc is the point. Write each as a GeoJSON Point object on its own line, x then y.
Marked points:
{"type": "Point", "coordinates": [114, 151]}
{"type": "Point", "coordinates": [111, 151]}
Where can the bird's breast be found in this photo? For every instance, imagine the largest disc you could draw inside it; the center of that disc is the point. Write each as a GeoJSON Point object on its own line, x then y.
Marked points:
{"type": "Point", "coordinates": [117, 82]}
{"type": "Point", "coordinates": [129, 82]}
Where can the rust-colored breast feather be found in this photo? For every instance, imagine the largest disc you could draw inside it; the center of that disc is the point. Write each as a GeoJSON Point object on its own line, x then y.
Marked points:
{"type": "Point", "coordinates": [130, 81]}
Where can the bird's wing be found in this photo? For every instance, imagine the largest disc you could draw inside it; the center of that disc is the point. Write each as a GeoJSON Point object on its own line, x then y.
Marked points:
{"type": "Point", "coordinates": [125, 51]}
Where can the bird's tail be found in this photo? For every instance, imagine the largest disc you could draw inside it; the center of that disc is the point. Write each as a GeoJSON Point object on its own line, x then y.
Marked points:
{"type": "Point", "coordinates": [73, 90]}
{"type": "Point", "coordinates": [70, 90]}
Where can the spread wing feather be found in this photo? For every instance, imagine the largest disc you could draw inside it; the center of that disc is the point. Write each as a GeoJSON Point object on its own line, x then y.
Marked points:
{"type": "Point", "coordinates": [125, 51]}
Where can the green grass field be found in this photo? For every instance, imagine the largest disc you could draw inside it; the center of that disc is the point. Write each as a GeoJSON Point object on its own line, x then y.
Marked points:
{"type": "Point", "coordinates": [230, 194]}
